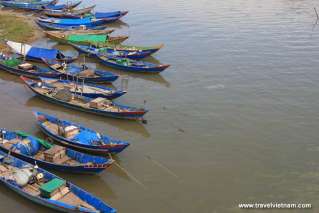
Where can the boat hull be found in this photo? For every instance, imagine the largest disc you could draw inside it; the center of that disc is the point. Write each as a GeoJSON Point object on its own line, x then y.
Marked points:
{"type": "Point", "coordinates": [94, 169]}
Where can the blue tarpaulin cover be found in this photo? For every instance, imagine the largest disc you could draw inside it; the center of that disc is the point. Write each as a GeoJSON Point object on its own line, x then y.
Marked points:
{"type": "Point", "coordinates": [75, 21]}
{"type": "Point", "coordinates": [36, 52]}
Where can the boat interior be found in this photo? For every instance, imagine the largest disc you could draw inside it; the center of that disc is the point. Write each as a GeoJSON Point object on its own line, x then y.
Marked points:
{"type": "Point", "coordinates": [31, 147]}
{"type": "Point", "coordinates": [34, 183]}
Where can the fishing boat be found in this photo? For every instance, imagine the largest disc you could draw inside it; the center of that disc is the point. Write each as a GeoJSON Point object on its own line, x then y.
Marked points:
{"type": "Point", "coordinates": [51, 26]}
{"type": "Point", "coordinates": [18, 66]}
{"type": "Point", "coordinates": [99, 106]}
{"type": "Point", "coordinates": [68, 6]}
{"type": "Point", "coordinates": [34, 5]}
{"type": "Point", "coordinates": [83, 89]}
{"type": "Point", "coordinates": [84, 32]}
{"type": "Point", "coordinates": [131, 65]}
{"type": "Point", "coordinates": [68, 13]}
{"type": "Point", "coordinates": [46, 189]}
{"type": "Point", "coordinates": [121, 51]}
{"type": "Point", "coordinates": [72, 71]}
{"type": "Point", "coordinates": [85, 39]}
{"type": "Point", "coordinates": [77, 14]}
{"type": "Point", "coordinates": [50, 156]}
{"type": "Point", "coordinates": [38, 54]}
{"type": "Point", "coordinates": [38, 5]}
{"type": "Point", "coordinates": [88, 21]}
{"type": "Point", "coordinates": [86, 140]}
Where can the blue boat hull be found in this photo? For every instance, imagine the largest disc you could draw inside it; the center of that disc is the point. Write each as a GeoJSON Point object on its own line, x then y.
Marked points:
{"type": "Point", "coordinates": [49, 26]}
{"type": "Point", "coordinates": [87, 149]}
{"type": "Point", "coordinates": [20, 72]}
{"type": "Point", "coordinates": [53, 204]}
{"type": "Point", "coordinates": [126, 54]}
{"type": "Point", "coordinates": [156, 69]}
{"type": "Point", "coordinates": [61, 168]}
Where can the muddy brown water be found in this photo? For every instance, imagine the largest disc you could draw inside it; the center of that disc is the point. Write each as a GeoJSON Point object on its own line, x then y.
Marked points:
{"type": "Point", "coordinates": [234, 119]}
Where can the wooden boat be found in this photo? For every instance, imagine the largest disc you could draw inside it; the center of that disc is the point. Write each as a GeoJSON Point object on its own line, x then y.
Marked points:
{"type": "Point", "coordinates": [86, 39]}
{"type": "Point", "coordinates": [47, 155]}
{"type": "Point", "coordinates": [68, 13]}
{"type": "Point", "coordinates": [51, 26]}
{"type": "Point", "coordinates": [72, 71]}
{"type": "Point", "coordinates": [83, 89]}
{"type": "Point", "coordinates": [85, 140]}
{"type": "Point", "coordinates": [117, 14]}
{"type": "Point", "coordinates": [131, 65]}
{"type": "Point", "coordinates": [33, 6]}
{"type": "Point", "coordinates": [77, 14]}
{"type": "Point", "coordinates": [47, 189]}
{"type": "Point", "coordinates": [68, 6]}
{"type": "Point", "coordinates": [39, 5]}
{"type": "Point", "coordinates": [38, 54]}
{"type": "Point", "coordinates": [84, 32]}
{"type": "Point", "coordinates": [18, 66]}
{"type": "Point", "coordinates": [88, 21]}
{"type": "Point", "coordinates": [99, 106]}
{"type": "Point", "coordinates": [113, 51]}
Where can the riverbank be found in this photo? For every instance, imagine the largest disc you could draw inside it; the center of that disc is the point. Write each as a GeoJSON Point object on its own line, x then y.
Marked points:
{"type": "Point", "coordinates": [15, 26]}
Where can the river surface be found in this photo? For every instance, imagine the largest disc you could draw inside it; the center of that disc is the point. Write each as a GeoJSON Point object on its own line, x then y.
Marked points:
{"type": "Point", "coordinates": [233, 120]}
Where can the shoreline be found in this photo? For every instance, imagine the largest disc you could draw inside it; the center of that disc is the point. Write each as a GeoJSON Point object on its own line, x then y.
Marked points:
{"type": "Point", "coordinates": [29, 33]}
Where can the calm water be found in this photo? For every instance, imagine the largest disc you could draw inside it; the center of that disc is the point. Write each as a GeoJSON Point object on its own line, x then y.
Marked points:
{"type": "Point", "coordinates": [235, 119]}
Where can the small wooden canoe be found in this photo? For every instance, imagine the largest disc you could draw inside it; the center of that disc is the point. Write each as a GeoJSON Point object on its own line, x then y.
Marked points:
{"type": "Point", "coordinates": [86, 140]}
{"type": "Point", "coordinates": [85, 32]}
{"type": "Point", "coordinates": [51, 26]}
{"type": "Point", "coordinates": [99, 106]}
{"type": "Point", "coordinates": [68, 13]}
{"type": "Point", "coordinates": [111, 51]}
{"type": "Point", "coordinates": [131, 65]}
{"type": "Point", "coordinates": [73, 72]}
{"type": "Point", "coordinates": [18, 66]}
{"type": "Point", "coordinates": [88, 21]}
{"type": "Point", "coordinates": [49, 156]}
{"type": "Point", "coordinates": [85, 39]}
{"type": "Point", "coordinates": [84, 89]}
{"type": "Point", "coordinates": [46, 189]}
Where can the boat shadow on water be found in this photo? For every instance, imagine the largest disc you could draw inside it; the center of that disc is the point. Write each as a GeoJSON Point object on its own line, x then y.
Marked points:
{"type": "Point", "coordinates": [78, 117]}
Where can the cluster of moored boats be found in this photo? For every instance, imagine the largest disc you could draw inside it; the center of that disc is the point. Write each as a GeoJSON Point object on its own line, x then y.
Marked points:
{"type": "Point", "coordinates": [70, 147]}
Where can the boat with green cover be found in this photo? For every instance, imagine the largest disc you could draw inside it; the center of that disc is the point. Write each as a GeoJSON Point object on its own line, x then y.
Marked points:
{"type": "Point", "coordinates": [86, 39]}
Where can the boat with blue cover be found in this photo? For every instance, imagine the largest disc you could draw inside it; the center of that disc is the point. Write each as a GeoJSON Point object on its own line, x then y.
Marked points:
{"type": "Point", "coordinates": [84, 89]}
{"type": "Point", "coordinates": [73, 72]}
{"type": "Point", "coordinates": [50, 156]}
{"type": "Point", "coordinates": [123, 51]}
{"type": "Point", "coordinates": [18, 66]}
{"type": "Point", "coordinates": [62, 7]}
{"type": "Point", "coordinates": [131, 65]}
{"type": "Point", "coordinates": [87, 21]}
{"type": "Point", "coordinates": [51, 26]}
{"type": "Point", "coordinates": [87, 140]}
{"type": "Point", "coordinates": [98, 106]}
{"type": "Point", "coordinates": [46, 189]}
{"type": "Point", "coordinates": [38, 54]}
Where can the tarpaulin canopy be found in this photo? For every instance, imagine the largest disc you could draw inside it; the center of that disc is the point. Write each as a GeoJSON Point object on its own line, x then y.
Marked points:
{"type": "Point", "coordinates": [74, 21]}
{"type": "Point", "coordinates": [36, 52]}
{"type": "Point", "coordinates": [88, 38]}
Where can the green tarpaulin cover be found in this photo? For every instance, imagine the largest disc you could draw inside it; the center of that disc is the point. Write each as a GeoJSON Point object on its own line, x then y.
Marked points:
{"type": "Point", "coordinates": [12, 62]}
{"type": "Point", "coordinates": [49, 187]}
{"type": "Point", "coordinates": [88, 38]}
